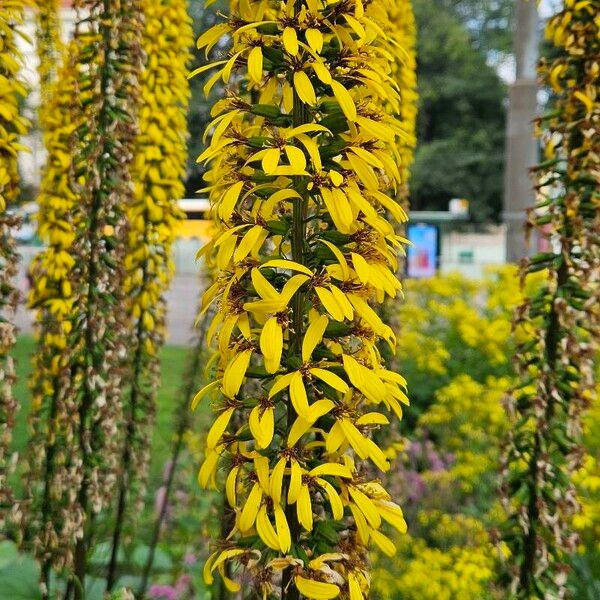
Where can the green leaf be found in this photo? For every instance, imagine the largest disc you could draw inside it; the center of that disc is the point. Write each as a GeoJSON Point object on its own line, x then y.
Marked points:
{"type": "Point", "coordinates": [19, 578]}
{"type": "Point", "coordinates": [162, 561]}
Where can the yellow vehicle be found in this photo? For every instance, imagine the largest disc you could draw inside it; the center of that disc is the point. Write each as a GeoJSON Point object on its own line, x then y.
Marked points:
{"type": "Point", "coordinates": [197, 224]}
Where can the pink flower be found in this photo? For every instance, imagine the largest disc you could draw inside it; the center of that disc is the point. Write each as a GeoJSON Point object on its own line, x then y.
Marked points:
{"type": "Point", "coordinates": [163, 592]}
{"type": "Point", "coordinates": [183, 585]}
{"type": "Point", "coordinates": [189, 560]}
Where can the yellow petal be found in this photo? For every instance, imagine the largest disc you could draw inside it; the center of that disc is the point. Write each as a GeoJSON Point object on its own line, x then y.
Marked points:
{"type": "Point", "coordinates": [247, 243]}
{"type": "Point", "coordinates": [304, 88]}
{"type": "Point", "coordinates": [342, 301]}
{"type": "Point", "coordinates": [339, 209]}
{"type": "Point", "coordinates": [377, 455]}
{"type": "Point", "coordinates": [276, 483]}
{"type": "Point", "coordinates": [207, 575]}
{"type": "Point", "coordinates": [312, 149]}
{"type": "Point", "coordinates": [373, 418]}
{"type": "Point", "coordinates": [295, 157]}
{"type": "Point", "coordinates": [235, 372]}
{"type": "Point", "coordinates": [366, 506]}
{"type": "Point", "coordinates": [313, 336]}
{"type": "Point", "coordinates": [322, 72]}
{"type": "Point", "coordinates": [208, 469]}
{"type": "Point", "coordinates": [225, 556]}
{"type": "Point", "coordinates": [304, 508]}
{"type": "Point", "coordinates": [298, 395]}
{"type": "Point", "coordinates": [355, 438]}
{"type": "Point", "coordinates": [231, 585]}
{"type": "Point", "coordinates": [288, 264]}
{"type": "Point", "coordinates": [342, 95]}
{"type": "Point", "coordinates": [331, 379]}
{"type": "Point", "coordinates": [364, 171]}
{"type": "Point", "coordinates": [383, 542]}
{"type": "Point", "coordinates": [270, 160]}
{"type": "Point", "coordinates": [262, 286]}
{"type": "Point", "coordinates": [298, 429]}
{"type": "Point", "coordinates": [333, 469]}
{"type": "Point", "coordinates": [271, 344]}
{"type": "Point", "coordinates": [315, 39]}
{"type": "Point", "coordinates": [281, 383]}
{"type": "Point", "coordinates": [265, 529]}
{"type": "Point", "coordinates": [392, 513]}
{"type": "Point", "coordinates": [354, 588]}
{"type": "Point", "coordinates": [295, 485]}
{"type": "Point", "coordinates": [329, 303]}
{"type": "Point", "coordinates": [231, 486]}
{"type": "Point", "coordinates": [362, 268]}
{"type": "Point", "coordinates": [364, 531]}
{"type": "Point", "coordinates": [290, 41]}
{"type": "Point", "coordinates": [255, 64]}
{"type": "Point", "coordinates": [283, 529]}
{"type": "Point", "coordinates": [292, 285]}
{"type": "Point", "coordinates": [340, 258]}
{"type": "Point", "coordinates": [205, 390]}
{"type": "Point", "coordinates": [229, 200]}
{"type": "Point", "coordinates": [261, 468]}
{"type": "Point", "coordinates": [316, 590]}
{"type": "Point", "coordinates": [250, 509]}
{"type": "Point", "coordinates": [218, 428]}
{"type": "Point", "coordinates": [266, 427]}
{"type": "Point", "coordinates": [302, 425]}
{"type": "Point", "coordinates": [337, 507]}
{"type": "Point", "coordinates": [336, 178]}
{"type": "Point", "coordinates": [335, 438]}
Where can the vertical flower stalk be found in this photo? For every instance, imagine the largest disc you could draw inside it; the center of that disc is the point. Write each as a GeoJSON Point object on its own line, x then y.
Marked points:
{"type": "Point", "coordinates": [78, 287]}
{"type": "Point", "coordinates": [300, 183]}
{"type": "Point", "coordinates": [12, 126]}
{"type": "Point", "coordinates": [557, 328]}
{"type": "Point", "coordinates": [52, 521]}
{"type": "Point", "coordinates": [108, 38]}
{"type": "Point", "coordinates": [160, 156]}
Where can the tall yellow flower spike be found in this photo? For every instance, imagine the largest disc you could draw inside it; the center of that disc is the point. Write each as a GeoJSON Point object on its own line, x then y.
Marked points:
{"type": "Point", "coordinates": [49, 455]}
{"type": "Point", "coordinates": [302, 162]}
{"type": "Point", "coordinates": [79, 288]}
{"type": "Point", "coordinates": [12, 126]}
{"type": "Point", "coordinates": [160, 156]}
{"type": "Point", "coordinates": [558, 325]}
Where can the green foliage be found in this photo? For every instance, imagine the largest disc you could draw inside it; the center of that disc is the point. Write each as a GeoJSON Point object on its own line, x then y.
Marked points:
{"type": "Point", "coordinates": [489, 22]}
{"type": "Point", "coordinates": [460, 126]}
{"type": "Point", "coordinates": [19, 574]}
{"type": "Point", "coordinates": [455, 348]}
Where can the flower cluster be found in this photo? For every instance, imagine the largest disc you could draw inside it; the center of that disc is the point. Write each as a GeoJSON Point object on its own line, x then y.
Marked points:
{"type": "Point", "coordinates": [158, 168]}
{"type": "Point", "coordinates": [12, 125]}
{"type": "Point", "coordinates": [51, 470]}
{"type": "Point", "coordinates": [302, 158]}
{"type": "Point", "coordinates": [560, 323]}
{"type": "Point", "coordinates": [452, 558]}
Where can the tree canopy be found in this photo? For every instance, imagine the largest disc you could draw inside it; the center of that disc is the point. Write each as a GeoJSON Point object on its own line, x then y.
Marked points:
{"type": "Point", "coordinates": [460, 151]}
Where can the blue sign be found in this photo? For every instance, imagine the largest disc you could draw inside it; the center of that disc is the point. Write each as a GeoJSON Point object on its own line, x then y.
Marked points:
{"type": "Point", "coordinates": [423, 254]}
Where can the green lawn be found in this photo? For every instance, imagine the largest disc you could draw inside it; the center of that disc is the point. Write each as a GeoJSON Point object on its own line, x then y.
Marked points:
{"type": "Point", "coordinates": [173, 361]}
